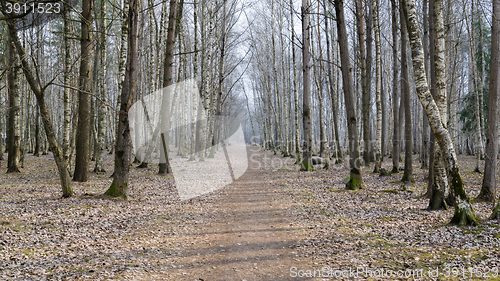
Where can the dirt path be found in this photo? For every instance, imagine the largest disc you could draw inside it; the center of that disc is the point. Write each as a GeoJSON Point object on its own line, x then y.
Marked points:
{"type": "Point", "coordinates": [250, 237]}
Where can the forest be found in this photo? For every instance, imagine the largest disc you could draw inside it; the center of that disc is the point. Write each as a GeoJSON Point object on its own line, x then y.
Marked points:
{"type": "Point", "coordinates": [249, 140]}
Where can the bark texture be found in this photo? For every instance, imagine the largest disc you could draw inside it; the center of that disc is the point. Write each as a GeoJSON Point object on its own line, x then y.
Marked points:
{"type": "Point", "coordinates": [464, 214]}
{"type": "Point", "coordinates": [440, 189]}
{"type": "Point", "coordinates": [306, 71]}
{"type": "Point", "coordinates": [84, 89]}
{"type": "Point", "coordinates": [406, 97]}
{"type": "Point", "coordinates": [488, 188]}
{"type": "Point", "coordinates": [378, 89]}
{"type": "Point", "coordinates": [168, 76]}
{"type": "Point", "coordinates": [396, 137]}
{"type": "Point", "coordinates": [119, 186]}
{"type": "Point", "coordinates": [14, 130]}
{"type": "Point", "coordinates": [355, 179]}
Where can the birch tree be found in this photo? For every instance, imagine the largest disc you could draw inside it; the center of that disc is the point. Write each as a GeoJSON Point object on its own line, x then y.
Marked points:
{"type": "Point", "coordinates": [464, 214]}
{"type": "Point", "coordinates": [66, 144]}
{"type": "Point", "coordinates": [295, 88]}
{"type": "Point", "coordinates": [306, 71]}
{"type": "Point", "coordinates": [440, 187]}
{"type": "Point", "coordinates": [360, 21]}
{"type": "Point", "coordinates": [378, 89]}
{"type": "Point", "coordinates": [395, 90]}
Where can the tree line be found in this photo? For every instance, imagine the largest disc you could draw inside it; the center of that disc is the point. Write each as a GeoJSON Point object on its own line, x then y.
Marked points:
{"type": "Point", "coordinates": [381, 78]}
{"type": "Point", "coordinates": [363, 78]}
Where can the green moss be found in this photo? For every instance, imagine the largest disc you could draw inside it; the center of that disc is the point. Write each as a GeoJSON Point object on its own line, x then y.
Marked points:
{"type": "Point", "coordinates": [355, 181]}
{"type": "Point", "coordinates": [280, 170]}
{"type": "Point", "coordinates": [473, 231]}
{"type": "Point", "coordinates": [211, 155]}
{"type": "Point", "coordinates": [116, 190]}
{"type": "Point", "coordinates": [384, 173]}
{"type": "Point", "coordinates": [306, 167]}
{"type": "Point", "coordinates": [390, 191]}
{"type": "Point", "coordinates": [495, 215]}
{"type": "Point", "coordinates": [497, 235]}
{"type": "Point", "coordinates": [464, 214]}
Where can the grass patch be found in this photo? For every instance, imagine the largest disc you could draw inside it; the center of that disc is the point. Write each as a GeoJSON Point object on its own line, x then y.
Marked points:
{"type": "Point", "coordinates": [390, 191]}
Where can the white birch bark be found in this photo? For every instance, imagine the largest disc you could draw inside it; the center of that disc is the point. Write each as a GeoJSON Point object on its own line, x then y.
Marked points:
{"type": "Point", "coordinates": [102, 101]}
{"type": "Point", "coordinates": [66, 144]}
{"type": "Point", "coordinates": [440, 190]}
{"type": "Point", "coordinates": [464, 214]}
{"type": "Point", "coordinates": [306, 70]}
{"type": "Point", "coordinates": [295, 89]}
{"type": "Point", "coordinates": [378, 89]}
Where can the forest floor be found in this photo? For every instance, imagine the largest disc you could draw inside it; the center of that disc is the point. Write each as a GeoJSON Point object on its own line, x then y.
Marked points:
{"type": "Point", "coordinates": [273, 223]}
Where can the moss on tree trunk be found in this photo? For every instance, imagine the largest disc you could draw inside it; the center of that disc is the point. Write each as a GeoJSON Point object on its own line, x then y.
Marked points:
{"type": "Point", "coordinates": [355, 180]}
{"type": "Point", "coordinates": [306, 166]}
{"type": "Point", "coordinates": [464, 214]}
{"type": "Point", "coordinates": [117, 190]}
{"type": "Point", "coordinates": [496, 213]}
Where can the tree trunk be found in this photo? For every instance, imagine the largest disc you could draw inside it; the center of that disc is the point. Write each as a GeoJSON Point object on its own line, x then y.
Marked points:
{"type": "Point", "coordinates": [83, 130]}
{"type": "Point", "coordinates": [102, 101]}
{"type": "Point", "coordinates": [66, 146]}
{"type": "Point", "coordinates": [477, 89]}
{"type": "Point", "coordinates": [295, 89]}
{"type": "Point", "coordinates": [396, 137]}
{"type": "Point", "coordinates": [38, 135]}
{"type": "Point", "coordinates": [424, 153]}
{"type": "Point", "coordinates": [406, 93]}
{"type": "Point", "coordinates": [14, 129]}
{"type": "Point", "coordinates": [378, 89]}
{"type": "Point", "coordinates": [488, 188]}
{"type": "Point", "coordinates": [306, 70]}
{"type": "Point", "coordinates": [168, 75]}
{"type": "Point", "coordinates": [369, 62]}
{"type": "Point", "coordinates": [356, 178]}
{"type": "Point", "coordinates": [1, 134]}
{"type": "Point", "coordinates": [464, 214]}
{"type": "Point", "coordinates": [45, 114]}
{"type": "Point", "coordinates": [337, 154]}
{"type": "Point", "coordinates": [440, 187]}
{"type": "Point", "coordinates": [220, 87]}
{"type": "Point", "coordinates": [360, 22]}
{"type": "Point", "coordinates": [119, 187]}
{"type": "Point", "coordinates": [323, 140]}
{"type": "Point", "coordinates": [195, 128]}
